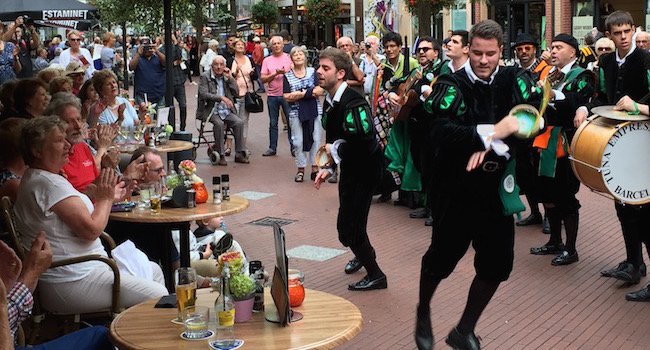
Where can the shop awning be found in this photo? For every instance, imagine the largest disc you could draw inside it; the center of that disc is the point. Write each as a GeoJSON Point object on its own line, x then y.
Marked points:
{"type": "Point", "coordinates": [60, 13]}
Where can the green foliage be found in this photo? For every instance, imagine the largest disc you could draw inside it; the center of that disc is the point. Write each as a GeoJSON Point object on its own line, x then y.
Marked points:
{"type": "Point", "coordinates": [436, 5]}
{"type": "Point", "coordinates": [241, 285]}
{"type": "Point", "coordinates": [146, 16]}
{"type": "Point", "coordinates": [265, 12]}
{"type": "Point", "coordinates": [322, 11]}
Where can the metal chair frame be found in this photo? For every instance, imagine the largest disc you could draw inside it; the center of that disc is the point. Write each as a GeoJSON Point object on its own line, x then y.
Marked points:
{"type": "Point", "coordinates": [38, 312]}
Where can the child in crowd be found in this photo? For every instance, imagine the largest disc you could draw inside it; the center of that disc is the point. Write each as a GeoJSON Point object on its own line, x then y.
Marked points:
{"type": "Point", "coordinates": [207, 242]}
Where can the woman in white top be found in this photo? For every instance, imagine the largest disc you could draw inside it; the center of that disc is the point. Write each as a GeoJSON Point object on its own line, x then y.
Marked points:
{"type": "Point", "coordinates": [72, 224]}
{"type": "Point", "coordinates": [243, 71]}
{"type": "Point", "coordinates": [210, 54]}
{"type": "Point", "coordinates": [112, 108]}
{"type": "Point", "coordinates": [77, 53]}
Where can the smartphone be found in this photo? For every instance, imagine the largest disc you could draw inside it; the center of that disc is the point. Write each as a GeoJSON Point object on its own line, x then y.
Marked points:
{"type": "Point", "coordinates": [83, 60]}
{"type": "Point", "coordinates": [122, 207]}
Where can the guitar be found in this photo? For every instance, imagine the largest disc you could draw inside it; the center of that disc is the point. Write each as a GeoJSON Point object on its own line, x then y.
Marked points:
{"type": "Point", "coordinates": [408, 98]}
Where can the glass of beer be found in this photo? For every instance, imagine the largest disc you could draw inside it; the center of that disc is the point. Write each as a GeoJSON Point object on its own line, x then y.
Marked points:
{"type": "Point", "coordinates": [155, 198]}
{"type": "Point", "coordinates": [185, 281]}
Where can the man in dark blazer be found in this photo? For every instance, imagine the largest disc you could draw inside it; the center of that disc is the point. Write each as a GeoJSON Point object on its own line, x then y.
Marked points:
{"type": "Point", "coordinates": [217, 93]}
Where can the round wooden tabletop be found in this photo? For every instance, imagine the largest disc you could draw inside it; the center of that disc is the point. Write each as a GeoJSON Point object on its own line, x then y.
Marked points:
{"type": "Point", "coordinates": [328, 322]}
{"type": "Point", "coordinates": [202, 211]}
{"type": "Point", "coordinates": [167, 147]}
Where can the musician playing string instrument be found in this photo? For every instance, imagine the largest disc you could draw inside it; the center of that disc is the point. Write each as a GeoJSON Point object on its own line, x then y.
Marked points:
{"type": "Point", "coordinates": [556, 185]}
{"type": "Point", "coordinates": [405, 149]}
{"type": "Point", "coordinates": [625, 72]}
{"type": "Point", "coordinates": [471, 138]}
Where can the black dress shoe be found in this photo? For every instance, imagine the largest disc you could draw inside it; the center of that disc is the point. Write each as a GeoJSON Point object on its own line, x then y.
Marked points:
{"type": "Point", "coordinates": [546, 226]}
{"type": "Point", "coordinates": [423, 332]}
{"type": "Point", "coordinates": [385, 197]}
{"type": "Point", "coordinates": [639, 295]}
{"type": "Point", "coordinates": [548, 249]}
{"type": "Point", "coordinates": [610, 272]}
{"type": "Point", "coordinates": [419, 213]}
{"type": "Point", "coordinates": [460, 341]}
{"type": "Point", "coordinates": [367, 284]}
{"type": "Point", "coordinates": [353, 266]}
{"type": "Point", "coordinates": [428, 221]}
{"type": "Point", "coordinates": [565, 258]}
{"type": "Point", "coordinates": [532, 219]}
{"type": "Point", "coordinates": [628, 274]}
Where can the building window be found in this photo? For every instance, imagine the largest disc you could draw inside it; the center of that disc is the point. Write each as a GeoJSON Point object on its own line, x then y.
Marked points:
{"type": "Point", "coordinates": [459, 15]}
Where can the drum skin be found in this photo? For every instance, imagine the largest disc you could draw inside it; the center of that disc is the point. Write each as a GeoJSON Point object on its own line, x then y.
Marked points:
{"type": "Point", "coordinates": [593, 144]}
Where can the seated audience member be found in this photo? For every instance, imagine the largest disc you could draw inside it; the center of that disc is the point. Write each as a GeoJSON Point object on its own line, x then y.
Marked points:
{"type": "Point", "coordinates": [88, 97]}
{"type": "Point", "coordinates": [7, 99]}
{"type": "Point", "coordinates": [12, 166]}
{"type": "Point", "coordinates": [60, 84]}
{"type": "Point", "coordinates": [217, 93]}
{"type": "Point", "coordinates": [112, 108]}
{"type": "Point", "coordinates": [30, 98]}
{"type": "Point", "coordinates": [17, 284]}
{"type": "Point", "coordinates": [153, 172]}
{"type": "Point", "coordinates": [76, 72]}
{"type": "Point", "coordinates": [72, 224]}
{"type": "Point", "coordinates": [207, 242]}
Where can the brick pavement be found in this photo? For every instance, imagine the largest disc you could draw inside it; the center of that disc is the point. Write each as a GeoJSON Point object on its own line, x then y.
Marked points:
{"type": "Point", "coordinates": [539, 307]}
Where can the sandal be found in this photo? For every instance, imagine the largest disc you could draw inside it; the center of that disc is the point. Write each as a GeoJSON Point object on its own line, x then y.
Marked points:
{"type": "Point", "coordinates": [300, 176]}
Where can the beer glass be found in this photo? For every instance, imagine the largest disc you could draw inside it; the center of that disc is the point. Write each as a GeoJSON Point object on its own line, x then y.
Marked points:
{"type": "Point", "coordinates": [185, 281]}
{"type": "Point", "coordinates": [155, 198]}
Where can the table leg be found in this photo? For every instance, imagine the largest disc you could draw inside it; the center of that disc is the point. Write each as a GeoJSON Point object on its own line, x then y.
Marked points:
{"type": "Point", "coordinates": [184, 243]}
{"type": "Point", "coordinates": [166, 258]}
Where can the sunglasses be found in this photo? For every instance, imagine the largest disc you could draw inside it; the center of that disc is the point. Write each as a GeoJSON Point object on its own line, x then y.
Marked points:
{"type": "Point", "coordinates": [525, 48]}
{"type": "Point", "coordinates": [424, 49]}
{"type": "Point", "coordinates": [604, 49]}
{"type": "Point", "coordinates": [78, 39]}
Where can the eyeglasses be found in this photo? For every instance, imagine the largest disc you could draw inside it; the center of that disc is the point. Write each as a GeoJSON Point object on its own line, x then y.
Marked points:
{"type": "Point", "coordinates": [158, 170]}
{"type": "Point", "coordinates": [523, 48]}
{"type": "Point", "coordinates": [424, 49]}
{"type": "Point", "coordinates": [604, 49]}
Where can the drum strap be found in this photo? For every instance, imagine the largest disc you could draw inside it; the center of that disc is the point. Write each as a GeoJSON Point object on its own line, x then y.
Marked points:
{"type": "Point", "coordinates": [509, 191]}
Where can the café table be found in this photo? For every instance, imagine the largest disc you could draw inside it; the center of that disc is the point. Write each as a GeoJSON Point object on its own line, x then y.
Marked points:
{"type": "Point", "coordinates": [169, 219]}
{"type": "Point", "coordinates": [167, 147]}
{"type": "Point", "coordinates": [328, 321]}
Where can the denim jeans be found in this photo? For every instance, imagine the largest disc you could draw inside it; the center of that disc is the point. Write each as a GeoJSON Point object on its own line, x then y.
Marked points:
{"type": "Point", "coordinates": [274, 103]}
{"type": "Point", "coordinates": [95, 337]}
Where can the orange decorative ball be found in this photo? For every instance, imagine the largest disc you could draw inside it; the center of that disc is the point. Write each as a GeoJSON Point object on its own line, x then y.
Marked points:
{"type": "Point", "coordinates": [201, 195]}
{"type": "Point", "coordinates": [296, 292]}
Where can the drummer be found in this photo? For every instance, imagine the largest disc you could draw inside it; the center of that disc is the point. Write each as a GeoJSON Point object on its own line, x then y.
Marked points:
{"type": "Point", "coordinates": [631, 106]}
{"type": "Point", "coordinates": [556, 185]}
{"type": "Point", "coordinates": [620, 73]}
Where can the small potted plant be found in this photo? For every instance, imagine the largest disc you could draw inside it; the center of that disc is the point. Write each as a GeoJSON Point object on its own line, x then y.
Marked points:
{"type": "Point", "coordinates": [241, 285]}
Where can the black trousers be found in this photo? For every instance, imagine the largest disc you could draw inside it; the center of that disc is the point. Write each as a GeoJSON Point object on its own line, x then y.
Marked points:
{"type": "Point", "coordinates": [356, 185]}
{"type": "Point", "coordinates": [491, 234]}
{"type": "Point", "coordinates": [635, 223]}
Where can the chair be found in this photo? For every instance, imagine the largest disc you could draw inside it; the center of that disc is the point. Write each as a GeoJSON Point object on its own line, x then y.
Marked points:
{"type": "Point", "coordinates": [38, 313]}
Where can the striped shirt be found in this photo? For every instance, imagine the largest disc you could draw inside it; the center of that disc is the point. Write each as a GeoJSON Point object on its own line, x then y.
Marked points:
{"type": "Point", "coordinates": [19, 306]}
{"type": "Point", "coordinates": [293, 83]}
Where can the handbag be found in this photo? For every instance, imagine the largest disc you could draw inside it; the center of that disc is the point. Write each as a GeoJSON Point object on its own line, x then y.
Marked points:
{"type": "Point", "coordinates": [253, 102]}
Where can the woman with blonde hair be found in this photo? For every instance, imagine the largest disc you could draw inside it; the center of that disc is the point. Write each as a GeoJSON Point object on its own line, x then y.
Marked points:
{"type": "Point", "coordinates": [210, 54]}
{"type": "Point", "coordinates": [603, 45]}
{"type": "Point", "coordinates": [77, 53]}
{"type": "Point", "coordinates": [112, 108]}
{"type": "Point", "coordinates": [243, 71]}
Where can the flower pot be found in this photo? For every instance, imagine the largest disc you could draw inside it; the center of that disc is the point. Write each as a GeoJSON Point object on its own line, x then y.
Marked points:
{"type": "Point", "coordinates": [244, 309]}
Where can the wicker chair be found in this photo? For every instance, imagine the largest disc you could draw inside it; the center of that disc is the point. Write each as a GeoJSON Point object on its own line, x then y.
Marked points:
{"type": "Point", "coordinates": [38, 313]}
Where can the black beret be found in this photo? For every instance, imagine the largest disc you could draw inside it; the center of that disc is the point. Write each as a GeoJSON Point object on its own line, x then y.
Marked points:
{"type": "Point", "coordinates": [569, 40]}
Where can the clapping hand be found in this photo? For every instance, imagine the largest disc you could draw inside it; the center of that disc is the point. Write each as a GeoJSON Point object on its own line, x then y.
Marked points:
{"type": "Point", "coordinates": [10, 267]}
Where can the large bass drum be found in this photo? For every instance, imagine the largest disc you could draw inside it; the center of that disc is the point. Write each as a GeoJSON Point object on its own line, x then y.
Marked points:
{"type": "Point", "coordinates": [613, 157]}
